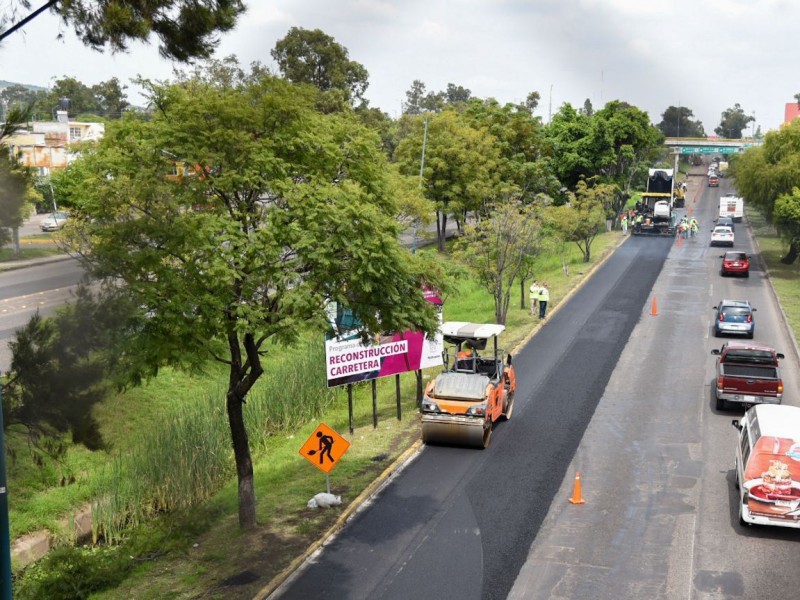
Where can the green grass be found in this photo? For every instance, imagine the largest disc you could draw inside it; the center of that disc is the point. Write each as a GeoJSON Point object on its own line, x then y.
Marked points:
{"type": "Point", "coordinates": [785, 278]}
{"type": "Point", "coordinates": [171, 438]}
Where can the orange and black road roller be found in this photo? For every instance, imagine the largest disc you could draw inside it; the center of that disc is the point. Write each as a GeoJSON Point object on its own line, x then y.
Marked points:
{"type": "Point", "coordinates": [476, 388]}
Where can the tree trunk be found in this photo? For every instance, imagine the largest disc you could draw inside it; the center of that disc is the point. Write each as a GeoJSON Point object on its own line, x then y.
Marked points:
{"type": "Point", "coordinates": [420, 391]}
{"type": "Point", "coordinates": [244, 463]}
{"type": "Point", "coordinates": [522, 293]}
{"type": "Point", "coordinates": [792, 254]}
{"type": "Point", "coordinates": [441, 230]}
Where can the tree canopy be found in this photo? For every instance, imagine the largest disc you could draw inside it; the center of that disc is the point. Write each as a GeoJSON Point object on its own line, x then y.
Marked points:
{"type": "Point", "coordinates": [460, 165]}
{"type": "Point", "coordinates": [293, 209]}
{"type": "Point", "coordinates": [315, 58]}
{"type": "Point", "coordinates": [676, 121]}
{"type": "Point", "coordinates": [766, 173]}
{"type": "Point", "coordinates": [732, 122]}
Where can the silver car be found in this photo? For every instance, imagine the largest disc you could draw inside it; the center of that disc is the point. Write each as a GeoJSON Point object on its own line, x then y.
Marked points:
{"type": "Point", "coordinates": [54, 222]}
{"type": "Point", "coordinates": [734, 317]}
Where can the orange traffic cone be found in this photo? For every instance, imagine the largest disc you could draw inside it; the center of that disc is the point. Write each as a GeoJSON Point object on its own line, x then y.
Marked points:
{"type": "Point", "coordinates": [577, 498]}
{"type": "Point", "coordinates": [680, 239]}
{"type": "Point", "coordinates": [690, 211]}
{"type": "Point", "coordinates": [654, 308]}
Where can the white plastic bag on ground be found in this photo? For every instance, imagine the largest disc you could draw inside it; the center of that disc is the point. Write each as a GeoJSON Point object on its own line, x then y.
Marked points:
{"type": "Point", "coordinates": [324, 500]}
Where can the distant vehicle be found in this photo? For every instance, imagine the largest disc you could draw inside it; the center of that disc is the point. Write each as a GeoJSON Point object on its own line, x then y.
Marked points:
{"type": "Point", "coordinates": [722, 236]}
{"type": "Point", "coordinates": [54, 222]}
{"type": "Point", "coordinates": [735, 263]}
{"type": "Point", "coordinates": [767, 473]}
{"type": "Point", "coordinates": [734, 317]}
{"type": "Point", "coordinates": [747, 374]}
{"type": "Point", "coordinates": [731, 205]}
{"type": "Point", "coordinates": [726, 222]}
{"type": "Point", "coordinates": [713, 180]}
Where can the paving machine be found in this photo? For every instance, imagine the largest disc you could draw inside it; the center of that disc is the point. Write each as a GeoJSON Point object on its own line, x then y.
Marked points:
{"type": "Point", "coordinates": [655, 214]}
{"type": "Point", "coordinates": [476, 389]}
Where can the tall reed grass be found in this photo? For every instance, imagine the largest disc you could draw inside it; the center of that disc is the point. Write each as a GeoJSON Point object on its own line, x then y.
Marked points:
{"type": "Point", "coordinates": [188, 456]}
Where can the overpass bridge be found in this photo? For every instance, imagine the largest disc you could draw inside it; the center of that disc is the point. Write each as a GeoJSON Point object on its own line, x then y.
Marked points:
{"type": "Point", "coordinates": [715, 146]}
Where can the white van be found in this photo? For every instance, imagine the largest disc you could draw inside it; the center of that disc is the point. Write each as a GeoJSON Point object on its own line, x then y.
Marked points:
{"type": "Point", "coordinates": [768, 465]}
{"type": "Point", "coordinates": [731, 206]}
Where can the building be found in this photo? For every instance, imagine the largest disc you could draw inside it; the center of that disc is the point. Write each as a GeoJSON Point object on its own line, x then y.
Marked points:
{"type": "Point", "coordinates": [791, 112]}
{"type": "Point", "coordinates": [45, 145]}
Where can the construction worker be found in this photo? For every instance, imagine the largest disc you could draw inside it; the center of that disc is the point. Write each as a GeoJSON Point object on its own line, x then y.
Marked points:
{"type": "Point", "coordinates": [544, 298]}
{"type": "Point", "coordinates": [533, 296]}
{"type": "Point", "coordinates": [624, 223]}
{"type": "Point", "coordinates": [466, 351]}
{"type": "Point", "coordinates": [694, 227]}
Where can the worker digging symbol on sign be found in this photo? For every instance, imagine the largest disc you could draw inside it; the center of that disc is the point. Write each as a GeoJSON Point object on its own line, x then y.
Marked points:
{"type": "Point", "coordinates": [325, 447]}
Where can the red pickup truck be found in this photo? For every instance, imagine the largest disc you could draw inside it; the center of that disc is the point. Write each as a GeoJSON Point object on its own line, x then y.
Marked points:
{"type": "Point", "coordinates": [747, 374]}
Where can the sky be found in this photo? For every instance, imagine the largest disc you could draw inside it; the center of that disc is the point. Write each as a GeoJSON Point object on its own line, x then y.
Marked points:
{"type": "Point", "coordinates": [706, 55]}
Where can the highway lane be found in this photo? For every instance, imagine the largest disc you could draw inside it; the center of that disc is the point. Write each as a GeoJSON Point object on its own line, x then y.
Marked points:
{"type": "Point", "coordinates": [458, 523]}
{"type": "Point", "coordinates": [24, 291]}
{"type": "Point", "coordinates": [660, 519]}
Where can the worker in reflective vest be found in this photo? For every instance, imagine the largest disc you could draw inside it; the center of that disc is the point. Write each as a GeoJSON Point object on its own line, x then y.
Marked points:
{"type": "Point", "coordinates": [544, 298]}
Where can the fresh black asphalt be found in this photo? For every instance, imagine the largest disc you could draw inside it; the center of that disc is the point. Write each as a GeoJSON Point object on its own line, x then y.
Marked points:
{"type": "Point", "coordinates": [458, 523]}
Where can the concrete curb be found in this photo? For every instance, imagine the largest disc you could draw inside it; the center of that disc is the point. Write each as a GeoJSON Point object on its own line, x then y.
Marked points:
{"type": "Point", "coordinates": [360, 501]}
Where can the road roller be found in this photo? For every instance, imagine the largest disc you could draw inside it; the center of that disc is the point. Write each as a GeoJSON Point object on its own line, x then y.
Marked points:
{"type": "Point", "coordinates": [476, 388]}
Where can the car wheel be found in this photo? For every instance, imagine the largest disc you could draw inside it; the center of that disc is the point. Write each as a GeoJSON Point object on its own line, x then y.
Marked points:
{"type": "Point", "coordinates": [747, 274]}
{"type": "Point", "coordinates": [720, 404]}
{"type": "Point", "coordinates": [717, 332]}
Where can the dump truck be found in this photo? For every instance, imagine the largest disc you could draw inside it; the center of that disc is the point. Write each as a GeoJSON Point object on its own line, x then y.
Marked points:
{"type": "Point", "coordinates": [656, 205]}
{"type": "Point", "coordinates": [476, 389]}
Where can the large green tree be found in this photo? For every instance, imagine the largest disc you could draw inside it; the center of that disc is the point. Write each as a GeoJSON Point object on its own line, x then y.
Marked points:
{"type": "Point", "coordinates": [314, 57]}
{"type": "Point", "coordinates": [732, 122]}
{"type": "Point", "coordinates": [676, 121]}
{"type": "Point", "coordinates": [298, 209]}
{"type": "Point", "coordinates": [186, 28]}
{"type": "Point", "coordinates": [460, 165]}
{"type": "Point", "coordinates": [765, 173]}
{"type": "Point", "coordinates": [524, 166]}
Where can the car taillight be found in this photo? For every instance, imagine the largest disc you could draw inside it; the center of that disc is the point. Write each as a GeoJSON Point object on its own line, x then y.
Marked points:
{"type": "Point", "coordinates": [720, 382]}
{"type": "Point", "coordinates": [780, 387]}
{"type": "Point", "coordinates": [721, 316]}
{"type": "Point", "coordinates": [749, 318]}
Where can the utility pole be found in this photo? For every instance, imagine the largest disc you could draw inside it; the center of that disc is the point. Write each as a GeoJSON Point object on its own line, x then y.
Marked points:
{"type": "Point", "coordinates": [421, 169]}
{"type": "Point", "coordinates": [5, 529]}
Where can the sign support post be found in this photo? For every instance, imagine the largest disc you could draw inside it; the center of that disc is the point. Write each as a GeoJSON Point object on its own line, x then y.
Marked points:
{"type": "Point", "coordinates": [374, 404]}
{"type": "Point", "coordinates": [397, 392]}
{"type": "Point", "coordinates": [350, 406]}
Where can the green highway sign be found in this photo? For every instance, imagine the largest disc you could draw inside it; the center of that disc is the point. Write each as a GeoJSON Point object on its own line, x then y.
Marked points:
{"type": "Point", "coordinates": [710, 149]}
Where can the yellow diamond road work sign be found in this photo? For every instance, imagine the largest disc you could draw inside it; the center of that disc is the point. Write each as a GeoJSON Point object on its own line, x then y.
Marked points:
{"type": "Point", "coordinates": [324, 448]}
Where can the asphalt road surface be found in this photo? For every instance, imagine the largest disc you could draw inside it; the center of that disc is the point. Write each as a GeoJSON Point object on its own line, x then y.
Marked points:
{"type": "Point", "coordinates": [624, 397]}
{"type": "Point", "coordinates": [24, 291]}
{"type": "Point", "coordinates": [458, 523]}
{"type": "Point", "coordinates": [660, 519]}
